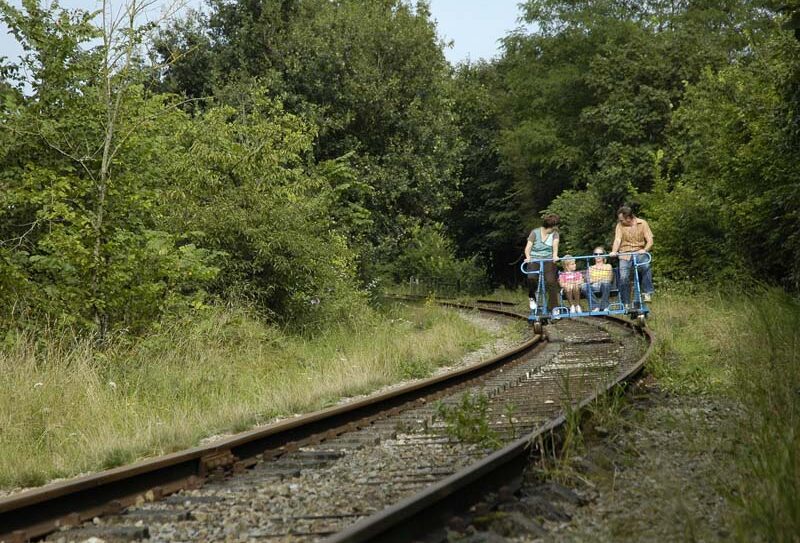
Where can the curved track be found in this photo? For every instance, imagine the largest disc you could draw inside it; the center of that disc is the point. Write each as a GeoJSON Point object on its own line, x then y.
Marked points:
{"type": "Point", "coordinates": [586, 359]}
{"type": "Point", "coordinates": [315, 476]}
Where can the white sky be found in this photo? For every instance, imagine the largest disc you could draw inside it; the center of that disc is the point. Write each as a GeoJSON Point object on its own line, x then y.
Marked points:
{"type": "Point", "coordinates": [474, 26]}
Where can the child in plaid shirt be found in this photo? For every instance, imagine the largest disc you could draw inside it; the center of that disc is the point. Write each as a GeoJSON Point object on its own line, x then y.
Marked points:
{"type": "Point", "coordinates": [571, 280]}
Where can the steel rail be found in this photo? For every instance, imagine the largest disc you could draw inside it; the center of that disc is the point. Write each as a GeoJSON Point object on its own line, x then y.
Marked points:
{"type": "Point", "coordinates": [501, 303]}
{"type": "Point", "coordinates": [428, 510]}
{"type": "Point", "coordinates": [38, 512]}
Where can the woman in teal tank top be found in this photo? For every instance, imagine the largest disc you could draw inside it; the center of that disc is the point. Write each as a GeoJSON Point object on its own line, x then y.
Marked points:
{"type": "Point", "coordinates": [543, 243]}
{"type": "Point", "coordinates": [542, 247]}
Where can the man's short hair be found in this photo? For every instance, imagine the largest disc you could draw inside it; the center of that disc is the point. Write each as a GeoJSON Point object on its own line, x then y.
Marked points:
{"type": "Point", "coordinates": [625, 211]}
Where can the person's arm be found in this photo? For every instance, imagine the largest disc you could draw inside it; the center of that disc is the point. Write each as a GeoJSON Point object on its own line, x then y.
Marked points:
{"type": "Point", "coordinates": [555, 248]}
{"type": "Point", "coordinates": [617, 240]}
{"type": "Point", "coordinates": [648, 239]}
{"type": "Point", "coordinates": [528, 247]}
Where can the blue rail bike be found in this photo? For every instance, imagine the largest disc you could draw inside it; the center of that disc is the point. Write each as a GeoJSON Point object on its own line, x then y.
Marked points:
{"type": "Point", "coordinates": [591, 291]}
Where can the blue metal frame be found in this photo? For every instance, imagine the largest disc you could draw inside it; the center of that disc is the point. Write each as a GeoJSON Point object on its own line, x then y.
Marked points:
{"type": "Point", "coordinates": [541, 313]}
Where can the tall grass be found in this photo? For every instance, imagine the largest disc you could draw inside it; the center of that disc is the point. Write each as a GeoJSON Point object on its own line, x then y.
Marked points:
{"type": "Point", "coordinates": [695, 334]}
{"type": "Point", "coordinates": [68, 407]}
{"type": "Point", "coordinates": [745, 348]}
{"type": "Point", "coordinates": [766, 369]}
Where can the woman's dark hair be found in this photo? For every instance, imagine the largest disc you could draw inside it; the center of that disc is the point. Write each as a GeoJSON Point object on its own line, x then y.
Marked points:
{"type": "Point", "coordinates": [551, 220]}
{"type": "Point", "coordinates": [625, 211]}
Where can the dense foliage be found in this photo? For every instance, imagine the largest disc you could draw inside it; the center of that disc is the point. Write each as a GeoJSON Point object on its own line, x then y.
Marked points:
{"type": "Point", "coordinates": [484, 220]}
{"type": "Point", "coordinates": [82, 167]}
{"type": "Point", "coordinates": [118, 205]}
{"type": "Point", "coordinates": [687, 110]}
{"type": "Point", "coordinates": [370, 76]}
{"type": "Point", "coordinates": [284, 154]}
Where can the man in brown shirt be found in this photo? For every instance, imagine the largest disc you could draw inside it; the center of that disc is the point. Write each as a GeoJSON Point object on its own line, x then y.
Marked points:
{"type": "Point", "coordinates": [632, 235]}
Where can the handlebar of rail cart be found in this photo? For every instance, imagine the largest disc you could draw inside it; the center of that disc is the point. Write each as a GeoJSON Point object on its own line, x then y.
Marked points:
{"type": "Point", "coordinates": [635, 255]}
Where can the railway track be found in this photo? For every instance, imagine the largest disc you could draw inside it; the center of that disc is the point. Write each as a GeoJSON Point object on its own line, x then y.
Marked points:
{"type": "Point", "coordinates": [385, 468]}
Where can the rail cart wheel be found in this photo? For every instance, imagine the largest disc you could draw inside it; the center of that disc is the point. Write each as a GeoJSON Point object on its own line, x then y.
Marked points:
{"type": "Point", "coordinates": [537, 328]}
{"type": "Point", "coordinates": [641, 321]}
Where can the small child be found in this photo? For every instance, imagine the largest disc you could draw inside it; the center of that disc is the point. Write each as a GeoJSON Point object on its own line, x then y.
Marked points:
{"type": "Point", "coordinates": [571, 281]}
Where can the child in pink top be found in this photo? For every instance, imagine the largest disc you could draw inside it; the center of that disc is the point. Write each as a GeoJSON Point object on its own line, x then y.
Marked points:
{"type": "Point", "coordinates": [571, 281]}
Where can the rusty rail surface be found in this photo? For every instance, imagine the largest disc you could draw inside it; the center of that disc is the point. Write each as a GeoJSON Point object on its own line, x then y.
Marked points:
{"type": "Point", "coordinates": [38, 512]}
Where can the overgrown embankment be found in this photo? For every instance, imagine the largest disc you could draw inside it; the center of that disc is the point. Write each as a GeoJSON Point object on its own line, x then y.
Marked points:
{"type": "Point", "coordinates": [747, 349]}
{"type": "Point", "coordinates": [68, 407]}
{"type": "Point", "coordinates": [707, 447]}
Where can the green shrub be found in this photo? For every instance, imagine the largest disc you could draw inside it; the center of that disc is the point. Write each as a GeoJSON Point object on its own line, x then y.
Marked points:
{"type": "Point", "coordinates": [245, 190]}
{"type": "Point", "coordinates": [692, 239]}
{"type": "Point", "coordinates": [585, 223]}
{"type": "Point", "coordinates": [429, 256]}
{"type": "Point", "coordinates": [469, 420]}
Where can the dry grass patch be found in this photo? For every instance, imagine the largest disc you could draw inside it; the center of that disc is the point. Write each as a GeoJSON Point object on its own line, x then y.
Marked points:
{"type": "Point", "coordinates": [69, 408]}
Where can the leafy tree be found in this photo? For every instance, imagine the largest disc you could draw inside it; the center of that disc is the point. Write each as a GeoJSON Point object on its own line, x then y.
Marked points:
{"type": "Point", "coordinates": [483, 220]}
{"type": "Point", "coordinates": [370, 76]}
{"type": "Point", "coordinates": [735, 141]}
{"type": "Point", "coordinates": [184, 46]}
{"type": "Point", "coordinates": [242, 185]}
{"type": "Point", "coordinates": [80, 171]}
{"type": "Point", "coordinates": [592, 93]}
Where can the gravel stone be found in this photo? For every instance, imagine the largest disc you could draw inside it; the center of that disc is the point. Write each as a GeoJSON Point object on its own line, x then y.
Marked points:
{"type": "Point", "coordinates": [662, 476]}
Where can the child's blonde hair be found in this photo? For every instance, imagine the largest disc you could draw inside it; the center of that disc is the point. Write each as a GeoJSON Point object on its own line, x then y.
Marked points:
{"type": "Point", "coordinates": [566, 259]}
